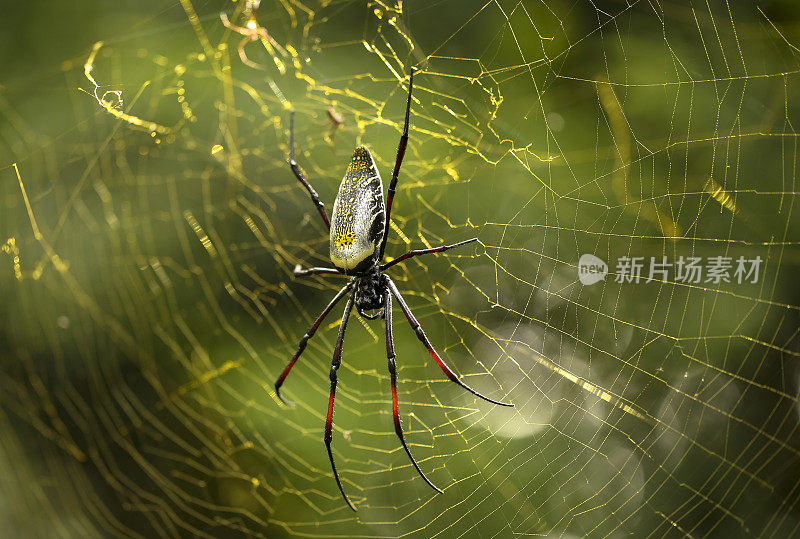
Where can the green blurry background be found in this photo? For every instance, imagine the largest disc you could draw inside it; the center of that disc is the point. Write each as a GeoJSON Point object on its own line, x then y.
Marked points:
{"type": "Point", "coordinates": [150, 225]}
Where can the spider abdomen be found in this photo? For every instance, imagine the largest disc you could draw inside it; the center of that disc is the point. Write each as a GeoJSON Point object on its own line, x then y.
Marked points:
{"type": "Point", "coordinates": [358, 218]}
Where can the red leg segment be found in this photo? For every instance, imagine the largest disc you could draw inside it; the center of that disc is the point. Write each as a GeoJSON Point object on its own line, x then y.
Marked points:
{"type": "Point", "coordinates": [306, 337]}
{"type": "Point", "coordinates": [337, 361]}
{"type": "Point", "coordinates": [398, 427]}
{"type": "Point", "coordinates": [421, 336]}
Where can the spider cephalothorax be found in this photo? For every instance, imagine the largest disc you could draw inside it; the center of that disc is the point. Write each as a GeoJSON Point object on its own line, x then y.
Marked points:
{"type": "Point", "coordinates": [358, 232]}
{"type": "Point", "coordinates": [370, 292]}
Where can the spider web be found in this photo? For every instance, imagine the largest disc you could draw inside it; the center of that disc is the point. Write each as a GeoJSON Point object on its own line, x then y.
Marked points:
{"type": "Point", "coordinates": [150, 227]}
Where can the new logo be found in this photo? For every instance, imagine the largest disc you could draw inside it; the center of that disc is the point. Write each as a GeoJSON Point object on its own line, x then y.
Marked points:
{"type": "Point", "coordinates": [591, 269]}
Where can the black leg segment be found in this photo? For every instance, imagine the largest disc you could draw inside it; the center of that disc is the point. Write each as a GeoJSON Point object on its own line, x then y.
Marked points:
{"type": "Point", "coordinates": [306, 337]}
{"type": "Point", "coordinates": [299, 175]}
{"type": "Point", "coordinates": [337, 361]}
{"type": "Point", "coordinates": [401, 151]}
{"type": "Point", "coordinates": [299, 271]}
{"type": "Point", "coordinates": [417, 252]}
{"type": "Point", "coordinates": [398, 427]}
{"type": "Point", "coordinates": [424, 339]}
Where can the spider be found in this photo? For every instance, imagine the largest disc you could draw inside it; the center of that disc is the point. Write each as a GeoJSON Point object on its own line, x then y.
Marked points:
{"type": "Point", "coordinates": [336, 120]}
{"type": "Point", "coordinates": [252, 32]}
{"type": "Point", "coordinates": [358, 233]}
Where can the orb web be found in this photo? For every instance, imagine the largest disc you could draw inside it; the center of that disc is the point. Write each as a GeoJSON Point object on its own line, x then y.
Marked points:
{"type": "Point", "coordinates": [151, 225]}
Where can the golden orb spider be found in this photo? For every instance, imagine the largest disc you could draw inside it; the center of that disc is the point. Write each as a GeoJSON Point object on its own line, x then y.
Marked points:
{"type": "Point", "coordinates": [358, 233]}
{"type": "Point", "coordinates": [336, 120]}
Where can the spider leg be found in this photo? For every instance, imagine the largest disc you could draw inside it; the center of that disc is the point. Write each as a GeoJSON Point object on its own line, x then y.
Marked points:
{"type": "Point", "coordinates": [330, 134]}
{"type": "Point", "coordinates": [337, 361]}
{"type": "Point", "coordinates": [398, 428]}
{"type": "Point", "coordinates": [227, 23]}
{"type": "Point", "coordinates": [306, 337]}
{"type": "Point", "coordinates": [248, 36]}
{"type": "Point", "coordinates": [300, 272]}
{"type": "Point", "coordinates": [243, 56]}
{"type": "Point", "coordinates": [401, 151]}
{"type": "Point", "coordinates": [299, 175]}
{"type": "Point", "coordinates": [421, 336]}
{"type": "Point", "coordinates": [417, 252]}
{"type": "Point", "coordinates": [264, 34]}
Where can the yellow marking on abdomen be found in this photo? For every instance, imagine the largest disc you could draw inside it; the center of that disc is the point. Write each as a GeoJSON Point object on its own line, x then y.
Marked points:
{"type": "Point", "coordinates": [344, 239]}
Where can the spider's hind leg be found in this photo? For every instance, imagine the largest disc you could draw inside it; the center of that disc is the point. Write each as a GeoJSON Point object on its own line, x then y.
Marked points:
{"type": "Point", "coordinates": [335, 364]}
{"type": "Point", "coordinates": [306, 337]}
{"type": "Point", "coordinates": [415, 325]}
{"type": "Point", "coordinates": [398, 427]}
{"type": "Point", "coordinates": [243, 55]}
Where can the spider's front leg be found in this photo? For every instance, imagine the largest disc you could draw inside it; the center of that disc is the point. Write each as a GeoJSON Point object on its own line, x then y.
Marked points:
{"type": "Point", "coordinates": [300, 272]}
{"type": "Point", "coordinates": [401, 151]}
{"type": "Point", "coordinates": [398, 427]}
{"type": "Point", "coordinates": [337, 361]}
{"type": "Point", "coordinates": [417, 252]}
{"type": "Point", "coordinates": [299, 175]}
